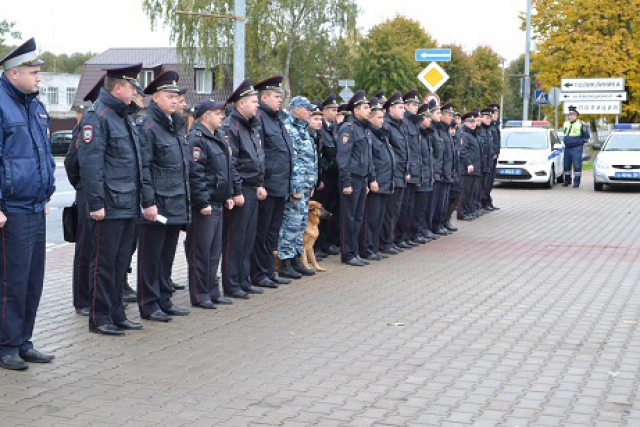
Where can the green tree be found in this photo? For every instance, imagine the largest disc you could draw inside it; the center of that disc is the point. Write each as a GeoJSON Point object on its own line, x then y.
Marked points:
{"type": "Point", "coordinates": [71, 64]}
{"type": "Point", "coordinates": [7, 31]}
{"type": "Point", "coordinates": [459, 70]}
{"type": "Point", "coordinates": [485, 81]}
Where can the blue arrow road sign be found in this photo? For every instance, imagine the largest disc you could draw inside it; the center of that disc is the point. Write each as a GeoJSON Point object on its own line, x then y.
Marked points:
{"type": "Point", "coordinates": [429, 55]}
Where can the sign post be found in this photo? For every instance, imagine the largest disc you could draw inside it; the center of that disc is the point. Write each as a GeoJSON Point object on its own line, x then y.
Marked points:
{"type": "Point", "coordinates": [554, 99]}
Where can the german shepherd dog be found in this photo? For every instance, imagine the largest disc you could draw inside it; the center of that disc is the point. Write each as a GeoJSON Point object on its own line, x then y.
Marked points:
{"type": "Point", "coordinates": [316, 213]}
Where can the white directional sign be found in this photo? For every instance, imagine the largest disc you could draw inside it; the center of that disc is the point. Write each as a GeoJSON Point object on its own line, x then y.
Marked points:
{"type": "Point", "coordinates": [592, 85]}
{"type": "Point", "coordinates": [597, 108]}
{"type": "Point", "coordinates": [594, 96]}
{"type": "Point", "coordinates": [433, 77]}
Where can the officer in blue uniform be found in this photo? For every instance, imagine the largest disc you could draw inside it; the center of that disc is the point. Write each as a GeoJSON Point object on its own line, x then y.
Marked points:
{"type": "Point", "coordinates": [576, 136]}
{"type": "Point", "coordinates": [356, 171]}
{"type": "Point", "coordinates": [82, 257]}
{"type": "Point", "coordinates": [495, 132]}
{"type": "Point", "coordinates": [26, 186]}
{"type": "Point", "coordinates": [439, 205]}
{"type": "Point", "coordinates": [210, 180]}
{"type": "Point", "coordinates": [471, 165]}
{"type": "Point", "coordinates": [111, 175]}
{"type": "Point", "coordinates": [420, 230]}
{"type": "Point", "coordinates": [487, 158]}
{"type": "Point", "coordinates": [243, 133]}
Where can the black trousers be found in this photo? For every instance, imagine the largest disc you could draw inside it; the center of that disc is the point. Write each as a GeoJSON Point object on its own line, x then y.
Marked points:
{"type": "Point", "coordinates": [375, 209]}
{"type": "Point", "coordinates": [465, 204]}
{"type": "Point", "coordinates": [420, 213]}
{"type": "Point", "coordinates": [477, 193]}
{"type": "Point", "coordinates": [82, 256]}
{"type": "Point", "coordinates": [441, 206]}
{"type": "Point", "coordinates": [329, 196]}
{"type": "Point", "coordinates": [204, 249]}
{"type": "Point", "coordinates": [454, 197]}
{"type": "Point", "coordinates": [270, 214]}
{"type": "Point", "coordinates": [394, 204]}
{"type": "Point", "coordinates": [237, 242]}
{"type": "Point", "coordinates": [156, 251]}
{"type": "Point", "coordinates": [22, 255]}
{"type": "Point", "coordinates": [112, 245]}
{"type": "Point", "coordinates": [352, 215]}
{"type": "Point", "coordinates": [492, 179]}
{"type": "Point", "coordinates": [485, 197]}
{"type": "Point", "coordinates": [435, 198]}
{"type": "Point", "coordinates": [405, 218]}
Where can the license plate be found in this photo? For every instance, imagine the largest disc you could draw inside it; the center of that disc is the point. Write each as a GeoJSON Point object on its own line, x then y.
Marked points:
{"type": "Point", "coordinates": [510, 171]}
{"type": "Point", "coordinates": [628, 175]}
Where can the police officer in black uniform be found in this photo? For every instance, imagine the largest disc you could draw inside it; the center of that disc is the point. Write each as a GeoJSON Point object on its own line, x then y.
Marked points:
{"type": "Point", "coordinates": [439, 208]}
{"type": "Point", "coordinates": [243, 133]}
{"type": "Point", "coordinates": [111, 175]}
{"type": "Point", "coordinates": [487, 158]}
{"type": "Point", "coordinates": [420, 212]}
{"type": "Point", "coordinates": [210, 181]}
{"type": "Point", "coordinates": [356, 171]}
{"type": "Point", "coordinates": [278, 158]}
{"type": "Point", "coordinates": [471, 163]}
{"type": "Point", "coordinates": [495, 132]}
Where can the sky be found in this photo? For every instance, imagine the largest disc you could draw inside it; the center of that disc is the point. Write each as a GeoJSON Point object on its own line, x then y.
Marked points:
{"type": "Point", "coordinates": [67, 26]}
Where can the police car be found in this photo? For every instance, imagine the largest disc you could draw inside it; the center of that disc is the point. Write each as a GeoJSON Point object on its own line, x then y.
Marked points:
{"type": "Point", "coordinates": [530, 152]}
{"type": "Point", "coordinates": [618, 163]}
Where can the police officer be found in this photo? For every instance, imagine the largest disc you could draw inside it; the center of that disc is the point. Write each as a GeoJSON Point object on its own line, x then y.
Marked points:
{"type": "Point", "coordinates": [210, 182]}
{"type": "Point", "coordinates": [165, 198]}
{"type": "Point", "coordinates": [420, 229]}
{"type": "Point", "coordinates": [471, 163]}
{"type": "Point", "coordinates": [278, 155]}
{"type": "Point", "coordinates": [487, 157]}
{"type": "Point", "coordinates": [303, 179]}
{"type": "Point", "coordinates": [376, 204]}
{"type": "Point", "coordinates": [393, 119]}
{"type": "Point", "coordinates": [356, 171]}
{"type": "Point", "coordinates": [111, 175]}
{"type": "Point", "coordinates": [243, 133]}
{"type": "Point", "coordinates": [27, 181]}
{"type": "Point", "coordinates": [495, 132]}
{"type": "Point", "coordinates": [576, 136]}
{"type": "Point", "coordinates": [380, 96]}
{"type": "Point", "coordinates": [455, 190]}
{"type": "Point", "coordinates": [327, 192]}
{"type": "Point", "coordinates": [82, 256]}
{"type": "Point", "coordinates": [439, 204]}
{"type": "Point", "coordinates": [343, 113]}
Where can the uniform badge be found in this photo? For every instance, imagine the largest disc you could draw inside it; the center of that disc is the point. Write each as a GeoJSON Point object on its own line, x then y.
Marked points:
{"type": "Point", "coordinates": [42, 115]}
{"type": "Point", "coordinates": [87, 133]}
{"type": "Point", "coordinates": [195, 154]}
{"type": "Point", "coordinates": [345, 138]}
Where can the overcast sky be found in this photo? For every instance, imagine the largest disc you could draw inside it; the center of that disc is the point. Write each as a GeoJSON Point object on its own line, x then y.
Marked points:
{"type": "Point", "coordinates": [67, 26]}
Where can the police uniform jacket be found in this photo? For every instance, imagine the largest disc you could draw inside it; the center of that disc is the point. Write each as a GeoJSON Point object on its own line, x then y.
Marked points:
{"type": "Point", "coordinates": [576, 133]}
{"type": "Point", "coordinates": [354, 152]}
{"type": "Point", "coordinates": [327, 152]}
{"type": "Point", "coordinates": [210, 168]}
{"type": "Point", "coordinates": [278, 152]}
{"type": "Point", "coordinates": [456, 185]}
{"type": "Point", "coordinates": [305, 162]}
{"type": "Point", "coordinates": [71, 163]}
{"type": "Point", "coordinates": [447, 158]}
{"type": "Point", "coordinates": [400, 146]}
{"type": "Point", "coordinates": [26, 164]}
{"type": "Point", "coordinates": [470, 153]}
{"type": "Point", "coordinates": [495, 134]}
{"type": "Point", "coordinates": [412, 132]}
{"type": "Point", "coordinates": [486, 144]}
{"type": "Point", "coordinates": [383, 159]}
{"type": "Point", "coordinates": [165, 165]}
{"type": "Point", "coordinates": [438, 153]}
{"type": "Point", "coordinates": [110, 159]}
{"type": "Point", "coordinates": [426, 147]}
{"type": "Point", "coordinates": [244, 138]}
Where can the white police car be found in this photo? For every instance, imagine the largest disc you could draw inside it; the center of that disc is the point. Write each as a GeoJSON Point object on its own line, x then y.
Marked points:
{"type": "Point", "coordinates": [618, 162]}
{"type": "Point", "coordinates": [530, 152]}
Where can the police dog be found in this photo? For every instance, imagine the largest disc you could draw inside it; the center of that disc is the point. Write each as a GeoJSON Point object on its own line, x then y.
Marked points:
{"type": "Point", "coordinates": [316, 213]}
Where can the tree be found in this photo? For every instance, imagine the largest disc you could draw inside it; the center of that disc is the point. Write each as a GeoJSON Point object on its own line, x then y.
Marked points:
{"type": "Point", "coordinates": [455, 90]}
{"type": "Point", "coordinates": [71, 64]}
{"type": "Point", "coordinates": [7, 30]}
{"type": "Point", "coordinates": [588, 39]}
{"type": "Point", "coordinates": [385, 57]}
{"type": "Point", "coordinates": [485, 83]}
{"type": "Point", "coordinates": [275, 31]}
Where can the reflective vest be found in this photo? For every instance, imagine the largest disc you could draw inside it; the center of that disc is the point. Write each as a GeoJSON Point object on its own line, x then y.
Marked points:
{"type": "Point", "coordinates": [574, 133]}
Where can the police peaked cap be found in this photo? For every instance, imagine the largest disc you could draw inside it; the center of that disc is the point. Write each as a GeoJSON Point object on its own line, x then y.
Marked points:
{"type": "Point", "coordinates": [357, 99]}
{"type": "Point", "coordinates": [272, 83]}
{"type": "Point", "coordinates": [494, 106]}
{"type": "Point", "coordinates": [425, 110]}
{"type": "Point", "coordinates": [244, 89]}
{"type": "Point", "coordinates": [344, 109]}
{"type": "Point", "coordinates": [124, 72]}
{"type": "Point", "coordinates": [433, 105]}
{"type": "Point", "coordinates": [206, 105]}
{"type": "Point", "coordinates": [469, 115]}
{"type": "Point", "coordinates": [92, 95]}
{"type": "Point", "coordinates": [330, 101]}
{"type": "Point", "coordinates": [381, 95]}
{"type": "Point", "coordinates": [572, 109]}
{"type": "Point", "coordinates": [412, 96]}
{"type": "Point", "coordinates": [487, 111]}
{"type": "Point", "coordinates": [25, 54]}
{"type": "Point", "coordinates": [394, 99]}
{"type": "Point", "coordinates": [374, 104]}
{"type": "Point", "coordinates": [316, 108]}
{"type": "Point", "coordinates": [167, 81]}
{"type": "Point", "coordinates": [183, 89]}
{"type": "Point", "coordinates": [447, 108]}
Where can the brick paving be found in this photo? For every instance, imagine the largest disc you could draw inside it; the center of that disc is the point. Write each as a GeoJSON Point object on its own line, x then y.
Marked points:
{"type": "Point", "coordinates": [525, 317]}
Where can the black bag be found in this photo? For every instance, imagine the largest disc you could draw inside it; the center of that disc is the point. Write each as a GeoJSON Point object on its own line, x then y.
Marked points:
{"type": "Point", "coordinates": [70, 222]}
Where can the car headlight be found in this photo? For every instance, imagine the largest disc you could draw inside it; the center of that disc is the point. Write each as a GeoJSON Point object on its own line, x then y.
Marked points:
{"type": "Point", "coordinates": [602, 165]}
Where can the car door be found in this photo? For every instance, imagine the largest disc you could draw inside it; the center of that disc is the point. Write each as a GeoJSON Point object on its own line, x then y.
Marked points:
{"type": "Point", "coordinates": [559, 154]}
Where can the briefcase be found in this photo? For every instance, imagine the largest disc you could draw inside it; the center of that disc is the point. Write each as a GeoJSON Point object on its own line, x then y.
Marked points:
{"type": "Point", "coordinates": [70, 222]}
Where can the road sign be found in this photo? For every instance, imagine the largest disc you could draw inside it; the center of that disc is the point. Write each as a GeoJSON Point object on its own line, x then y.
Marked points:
{"type": "Point", "coordinates": [427, 55]}
{"type": "Point", "coordinates": [540, 98]}
{"type": "Point", "coordinates": [346, 94]}
{"type": "Point", "coordinates": [433, 77]}
{"type": "Point", "coordinates": [594, 96]}
{"type": "Point", "coordinates": [346, 83]}
{"type": "Point", "coordinates": [431, 96]}
{"type": "Point", "coordinates": [600, 107]}
{"type": "Point", "coordinates": [593, 85]}
{"type": "Point", "coordinates": [554, 96]}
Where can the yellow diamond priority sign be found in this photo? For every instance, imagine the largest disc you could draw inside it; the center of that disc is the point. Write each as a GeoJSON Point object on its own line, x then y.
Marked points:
{"type": "Point", "coordinates": [433, 77]}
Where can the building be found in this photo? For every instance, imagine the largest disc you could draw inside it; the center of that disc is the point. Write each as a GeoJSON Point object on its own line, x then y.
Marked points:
{"type": "Point", "coordinates": [58, 91]}
{"type": "Point", "coordinates": [199, 80]}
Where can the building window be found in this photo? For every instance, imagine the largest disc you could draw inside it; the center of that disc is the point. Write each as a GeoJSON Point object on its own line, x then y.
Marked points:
{"type": "Point", "coordinates": [204, 81]}
{"type": "Point", "coordinates": [146, 77]}
{"type": "Point", "coordinates": [51, 94]}
{"type": "Point", "coordinates": [71, 95]}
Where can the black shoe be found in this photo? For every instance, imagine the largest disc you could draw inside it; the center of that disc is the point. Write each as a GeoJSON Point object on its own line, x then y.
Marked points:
{"type": "Point", "coordinates": [332, 250]}
{"type": "Point", "coordinates": [253, 290]}
{"type": "Point", "coordinates": [238, 295]}
{"type": "Point", "coordinates": [286, 270]}
{"type": "Point", "coordinates": [267, 283]}
{"type": "Point", "coordinates": [13, 362]}
{"type": "Point", "coordinates": [34, 356]}
{"type": "Point", "coordinates": [404, 245]}
{"type": "Point", "coordinates": [382, 255]}
{"type": "Point", "coordinates": [373, 257]}
{"type": "Point", "coordinates": [495, 208]}
{"type": "Point", "coordinates": [355, 262]}
{"type": "Point", "coordinates": [442, 232]}
{"type": "Point", "coordinates": [297, 266]}
{"type": "Point", "coordinates": [419, 240]}
{"type": "Point", "coordinates": [566, 183]}
{"type": "Point", "coordinates": [431, 235]}
{"type": "Point", "coordinates": [205, 304]}
{"type": "Point", "coordinates": [320, 255]}
{"type": "Point", "coordinates": [467, 218]}
{"type": "Point", "coordinates": [83, 311]}
{"type": "Point", "coordinates": [397, 248]}
{"type": "Point", "coordinates": [175, 286]}
{"type": "Point", "coordinates": [280, 280]}
{"type": "Point", "coordinates": [107, 329]}
{"type": "Point", "coordinates": [222, 301]}
{"type": "Point", "coordinates": [127, 324]}
{"type": "Point", "coordinates": [365, 262]}
{"type": "Point", "coordinates": [390, 251]}
{"type": "Point", "coordinates": [450, 226]}
{"type": "Point", "coordinates": [128, 294]}
{"type": "Point", "coordinates": [157, 316]}
{"type": "Point", "coordinates": [173, 310]}
{"type": "Point", "coordinates": [576, 185]}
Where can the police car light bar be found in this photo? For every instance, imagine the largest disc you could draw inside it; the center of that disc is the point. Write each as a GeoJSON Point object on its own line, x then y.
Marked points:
{"type": "Point", "coordinates": [627, 126]}
{"type": "Point", "coordinates": [527, 123]}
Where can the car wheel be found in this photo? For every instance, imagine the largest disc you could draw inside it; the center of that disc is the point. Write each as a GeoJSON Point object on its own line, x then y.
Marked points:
{"type": "Point", "coordinates": [552, 178]}
{"type": "Point", "coordinates": [598, 186]}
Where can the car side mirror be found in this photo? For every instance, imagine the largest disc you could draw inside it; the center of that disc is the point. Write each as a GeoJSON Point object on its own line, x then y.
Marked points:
{"type": "Point", "coordinates": [596, 147]}
{"type": "Point", "coordinates": [557, 146]}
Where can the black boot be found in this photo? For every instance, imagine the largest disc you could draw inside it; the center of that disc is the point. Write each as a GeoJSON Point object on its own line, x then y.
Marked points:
{"type": "Point", "coordinates": [129, 295]}
{"type": "Point", "coordinates": [286, 270]}
{"type": "Point", "coordinates": [297, 266]}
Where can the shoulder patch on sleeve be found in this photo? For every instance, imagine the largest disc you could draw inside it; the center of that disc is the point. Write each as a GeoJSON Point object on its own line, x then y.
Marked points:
{"type": "Point", "coordinates": [87, 133]}
{"type": "Point", "coordinates": [345, 138]}
{"type": "Point", "coordinates": [196, 153]}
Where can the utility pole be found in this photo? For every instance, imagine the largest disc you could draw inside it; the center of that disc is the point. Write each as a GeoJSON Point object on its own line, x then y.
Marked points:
{"type": "Point", "coordinates": [527, 80]}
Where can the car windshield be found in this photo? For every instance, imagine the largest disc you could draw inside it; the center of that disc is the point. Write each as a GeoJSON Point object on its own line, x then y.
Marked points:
{"type": "Point", "coordinates": [623, 143]}
{"type": "Point", "coordinates": [524, 140]}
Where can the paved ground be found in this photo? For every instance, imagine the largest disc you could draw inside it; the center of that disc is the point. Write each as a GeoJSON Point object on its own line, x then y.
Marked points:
{"type": "Point", "coordinates": [525, 317]}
